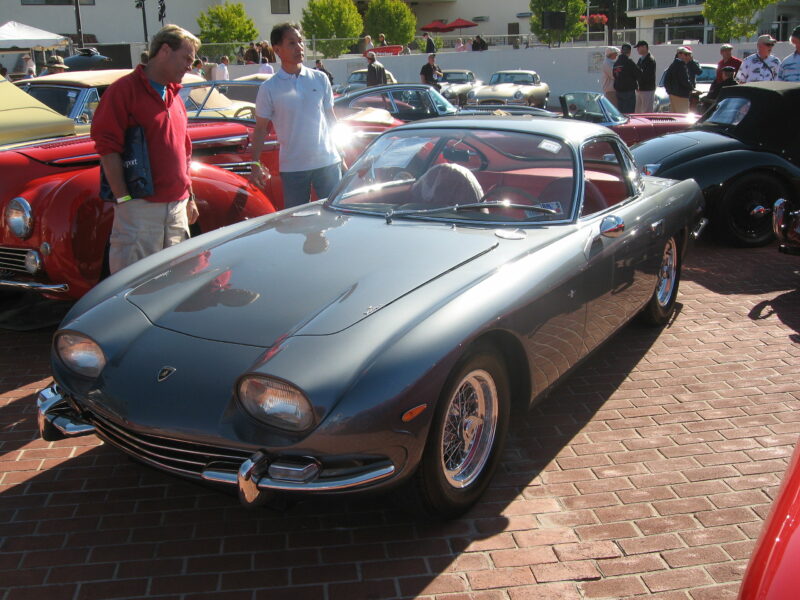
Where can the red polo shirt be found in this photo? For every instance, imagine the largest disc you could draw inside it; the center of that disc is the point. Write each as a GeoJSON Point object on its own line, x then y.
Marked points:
{"type": "Point", "coordinates": [131, 101]}
{"type": "Point", "coordinates": [731, 62]}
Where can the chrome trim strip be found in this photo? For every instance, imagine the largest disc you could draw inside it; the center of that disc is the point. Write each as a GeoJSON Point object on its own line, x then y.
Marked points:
{"type": "Point", "coordinates": [75, 159]}
{"type": "Point", "coordinates": [698, 230]}
{"type": "Point", "coordinates": [36, 287]}
{"type": "Point", "coordinates": [221, 141]}
{"type": "Point", "coordinates": [56, 418]}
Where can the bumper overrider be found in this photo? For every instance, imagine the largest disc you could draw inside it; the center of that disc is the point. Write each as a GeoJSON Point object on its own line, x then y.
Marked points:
{"type": "Point", "coordinates": [257, 475]}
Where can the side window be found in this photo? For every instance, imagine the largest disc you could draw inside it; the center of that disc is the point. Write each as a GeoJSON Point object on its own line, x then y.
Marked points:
{"type": "Point", "coordinates": [412, 104]}
{"type": "Point", "coordinates": [471, 77]}
{"type": "Point", "coordinates": [371, 101]}
{"type": "Point", "coordinates": [605, 177]}
{"type": "Point", "coordinates": [89, 106]}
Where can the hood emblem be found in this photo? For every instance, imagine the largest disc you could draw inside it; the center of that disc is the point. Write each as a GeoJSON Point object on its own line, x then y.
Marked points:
{"type": "Point", "coordinates": [164, 373]}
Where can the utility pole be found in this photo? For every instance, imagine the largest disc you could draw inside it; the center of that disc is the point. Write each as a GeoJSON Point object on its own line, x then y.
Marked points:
{"type": "Point", "coordinates": [140, 4]}
{"type": "Point", "coordinates": [78, 24]}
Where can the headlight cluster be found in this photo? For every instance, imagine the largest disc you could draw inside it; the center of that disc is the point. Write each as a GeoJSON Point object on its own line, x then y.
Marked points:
{"type": "Point", "coordinates": [80, 354]}
{"type": "Point", "coordinates": [275, 402]}
{"type": "Point", "coordinates": [517, 95]}
{"type": "Point", "coordinates": [18, 217]}
{"type": "Point", "coordinates": [471, 94]}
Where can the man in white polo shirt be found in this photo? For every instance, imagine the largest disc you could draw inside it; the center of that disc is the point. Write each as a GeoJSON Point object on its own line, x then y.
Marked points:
{"type": "Point", "coordinates": [299, 101]}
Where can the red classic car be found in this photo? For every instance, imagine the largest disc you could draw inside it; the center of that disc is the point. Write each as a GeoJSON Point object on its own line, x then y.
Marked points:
{"type": "Point", "coordinates": [772, 571]}
{"type": "Point", "coordinates": [54, 230]}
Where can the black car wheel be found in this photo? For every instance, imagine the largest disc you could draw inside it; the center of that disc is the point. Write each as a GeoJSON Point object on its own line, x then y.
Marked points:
{"type": "Point", "coordinates": [466, 437]}
{"type": "Point", "coordinates": [659, 309]}
{"type": "Point", "coordinates": [744, 215]}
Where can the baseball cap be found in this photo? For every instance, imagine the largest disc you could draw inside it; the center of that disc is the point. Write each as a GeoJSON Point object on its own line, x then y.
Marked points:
{"type": "Point", "coordinates": [625, 46]}
{"type": "Point", "coordinates": [641, 43]}
{"type": "Point", "coordinates": [766, 39]}
{"type": "Point", "coordinates": [683, 50]}
{"type": "Point", "coordinates": [726, 47]}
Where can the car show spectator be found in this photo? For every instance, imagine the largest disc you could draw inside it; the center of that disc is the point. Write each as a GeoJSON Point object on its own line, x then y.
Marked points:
{"type": "Point", "coordinates": [266, 51]}
{"type": "Point", "coordinates": [143, 57]}
{"type": "Point", "coordinates": [626, 80]}
{"type": "Point", "coordinates": [479, 44]}
{"type": "Point", "coordinates": [677, 82]}
{"type": "Point", "coordinates": [382, 43]}
{"type": "Point", "coordinates": [607, 77]}
{"type": "Point", "coordinates": [197, 67]}
{"type": "Point", "coordinates": [252, 55]}
{"type": "Point", "coordinates": [430, 47]}
{"type": "Point", "coordinates": [299, 103]}
{"type": "Point", "coordinates": [55, 64]}
{"type": "Point", "coordinates": [368, 45]}
{"type": "Point", "coordinates": [148, 97]}
{"type": "Point", "coordinates": [430, 72]}
{"type": "Point", "coordinates": [265, 67]}
{"type": "Point", "coordinates": [221, 70]}
{"type": "Point", "coordinates": [728, 79]}
{"type": "Point", "coordinates": [460, 46]}
{"type": "Point", "coordinates": [406, 50]}
{"type": "Point", "coordinates": [320, 67]}
{"type": "Point", "coordinates": [376, 74]}
{"type": "Point", "coordinates": [645, 95]}
{"type": "Point", "coordinates": [761, 65]}
{"type": "Point", "coordinates": [24, 64]}
{"type": "Point", "coordinates": [790, 66]}
{"type": "Point", "coordinates": [692, 67]}
{"type": "Point", "coordinates": [240, 56]}
{"type": "Point", "coordinates": [728, 60]}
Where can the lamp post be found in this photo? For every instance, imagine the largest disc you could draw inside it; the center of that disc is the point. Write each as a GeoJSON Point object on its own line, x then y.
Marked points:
{"type": "Point", "coordinates": [140, 4]}
{"type": "Point", "coordinates": [78, 24]}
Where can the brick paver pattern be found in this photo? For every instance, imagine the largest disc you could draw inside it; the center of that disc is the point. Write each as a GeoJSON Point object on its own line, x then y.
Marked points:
{"type": "Point", "coordinates": [648, 472]}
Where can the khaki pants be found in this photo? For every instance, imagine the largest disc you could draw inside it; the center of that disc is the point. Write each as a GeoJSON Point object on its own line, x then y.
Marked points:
{"type": "Point", "coordinates": [142, 228]}
{"type": "Point", "coordinates": [644, 101]}
{"type": "Point", "coordinates": [678, 104]}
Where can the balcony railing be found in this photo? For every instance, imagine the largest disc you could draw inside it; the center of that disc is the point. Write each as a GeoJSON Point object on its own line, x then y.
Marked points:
{"type": "Point", "coordinates": [651, 4]}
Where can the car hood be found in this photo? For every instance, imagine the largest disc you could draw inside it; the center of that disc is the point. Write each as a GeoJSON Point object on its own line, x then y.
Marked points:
{"type": "Point", "coordinates": [501, 89]}
{"type": "Point", "coordinates": [307, 272]}
{"type": "Point", "coordinates": [681, 146]}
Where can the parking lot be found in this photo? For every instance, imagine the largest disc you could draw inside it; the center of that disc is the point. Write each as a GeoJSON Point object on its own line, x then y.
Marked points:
{"type": "Point", "coordinates": [647, 473]}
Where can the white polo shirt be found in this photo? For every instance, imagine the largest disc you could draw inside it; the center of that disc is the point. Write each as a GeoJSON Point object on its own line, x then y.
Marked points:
{"type": "Point", "coordinates": [297, 105]}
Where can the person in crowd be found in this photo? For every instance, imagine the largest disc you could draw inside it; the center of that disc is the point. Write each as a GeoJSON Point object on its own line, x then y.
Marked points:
{"type": "Point", "coordinates": [30, 74]}
{"type": "Point", "coordinates": [376, 74]}
{"type": "Point", "coordinates": [368, 45]}
{"type": "Point", "coordinates": [728, 60]}
{"type": "Point", "coordinates": [430, 47]}
{"type": "Point", "coordinates": [240, 56]}
{"type": "Point", "coordinates": [27, 64]}
{"type": "Point", "coordinates": [762, 65]}
{"type": "Point", "coordinates": [251, 55]}
{"type": "Point", "coordinates": [265, 67]}
{"type": "Point", "coordinates": [692, 67]}
{"type": "Point", "coordinates": [645, 95]}
{"type": "Point", "coordinates": [266, 50]}
{"type": "Point", "coordinates": [382, 43]}
{"type": "Point", "coordinates": [607, 77]}
{"type": "Point", "coordinates": [197, 67]}
{"type": "Point", "coordinates": [677, 82]}
{"type": "Point", "coordinates": [460, 46]}
{"type": "Point", "coordinates": [221, 70]}
{"type": "Point", "coordinates": [148, 97]}
{"type": "Point", "coordinates": [728, 79]}
{"type": "Point", "coordinates": [321, 67]}
{"type": "Point", "coordinates": [790, 66]}
{"type": "Point", "coordinates": [626, 78]}
{"type": "Point", "coordinates": [143, 57]}
{"type": "Point", "coordinates": [299, 102]}
{"type": "Point", "coordinates": [406, 50]}
{"type": "Point", "coordinates": [55, 64]}
{"type": "Point", "coordinates": [479, 44]}
{"type": "Point", "coordinates": [430, 72]}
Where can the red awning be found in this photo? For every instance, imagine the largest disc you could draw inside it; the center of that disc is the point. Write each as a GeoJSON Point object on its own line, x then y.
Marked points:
{"type": "Point", "coordinates": [461, 24]}
{"type": "Point", "coordinates": [436, 27]}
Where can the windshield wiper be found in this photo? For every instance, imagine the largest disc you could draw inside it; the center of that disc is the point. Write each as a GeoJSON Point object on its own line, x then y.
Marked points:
{"type": "Point", "coordinates": [472, 205]}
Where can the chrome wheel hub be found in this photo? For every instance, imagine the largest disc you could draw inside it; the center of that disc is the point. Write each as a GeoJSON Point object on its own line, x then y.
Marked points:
{"type": "Point", "coordinates": [667, 273]}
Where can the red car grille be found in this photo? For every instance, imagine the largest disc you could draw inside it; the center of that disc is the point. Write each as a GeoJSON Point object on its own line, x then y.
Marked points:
{"type": "Point", "coordinates": [13, 259]}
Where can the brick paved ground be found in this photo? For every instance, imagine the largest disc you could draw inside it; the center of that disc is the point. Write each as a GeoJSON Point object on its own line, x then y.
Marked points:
{"type": "Point", "coordinates": [648, 472]}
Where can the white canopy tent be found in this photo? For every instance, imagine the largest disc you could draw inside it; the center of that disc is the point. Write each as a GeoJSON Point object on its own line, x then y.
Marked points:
{"type": "Point", "coordinates": [19, 35]}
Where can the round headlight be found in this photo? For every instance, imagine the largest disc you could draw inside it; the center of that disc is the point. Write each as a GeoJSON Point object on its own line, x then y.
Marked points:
{"type": "Point", "coordinates": [19, 217]}
{"type": "Point", "coordinates": [471, 94]}
{"type": "Point", "coordinates": [80, 354]}
{"type": "Point", "coordinates": [276, 403]}
{"type": "Point", "coordinates": [517, 95]}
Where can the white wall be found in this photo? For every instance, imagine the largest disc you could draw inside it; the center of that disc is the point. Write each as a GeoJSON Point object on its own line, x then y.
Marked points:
{"type": "Point", "coordinates": [500, 14]}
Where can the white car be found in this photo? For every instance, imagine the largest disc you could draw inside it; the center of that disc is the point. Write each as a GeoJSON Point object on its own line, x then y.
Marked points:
{"type": "Point", "coordinates": [702, 84]}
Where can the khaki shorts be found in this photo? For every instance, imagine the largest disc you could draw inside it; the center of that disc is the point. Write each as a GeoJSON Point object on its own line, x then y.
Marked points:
{"type": "Point", "coordinates": [142, 228]}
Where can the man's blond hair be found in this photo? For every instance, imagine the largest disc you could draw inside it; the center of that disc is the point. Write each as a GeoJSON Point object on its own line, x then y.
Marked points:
{"type": "Point", "coordinates": [173, 36]}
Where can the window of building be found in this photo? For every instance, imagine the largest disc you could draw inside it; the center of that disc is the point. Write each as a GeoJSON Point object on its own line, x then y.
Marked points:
{"type": "Point", "coordinates": [280, 7]}
{"type": "Point", "coordinates": [55, 2]}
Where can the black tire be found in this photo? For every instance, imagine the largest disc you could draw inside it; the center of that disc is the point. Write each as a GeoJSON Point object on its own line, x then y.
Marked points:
{"type": "Point", "coordinates": [734, 220]}
{"type": "Point", "coordinates": [661, 306]}
{"type": "Point", "coordinates": [458, 463]}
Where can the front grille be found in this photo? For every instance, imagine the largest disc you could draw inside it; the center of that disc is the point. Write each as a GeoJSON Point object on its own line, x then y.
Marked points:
{"type": "Point", "coordinates": [178, 456]}
{"type": "Point", "coordinates": [13, 259]}
{"type": "Point", "coordinates": [492, 102]}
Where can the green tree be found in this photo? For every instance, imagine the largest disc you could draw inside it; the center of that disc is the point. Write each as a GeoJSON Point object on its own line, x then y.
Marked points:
{"type": "Point", "coordinates": [391, 17]}
{"type": "Point", "coordinates": [574, 27]}
{"type": "Point", "coordinates": [326, 19]}
{"type": "Point", "coordinates": [226, 23]}
{"type": "Point", "coordinates": [733, 18]}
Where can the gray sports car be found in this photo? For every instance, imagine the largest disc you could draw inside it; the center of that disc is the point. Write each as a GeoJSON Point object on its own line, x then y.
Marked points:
{"type": "Point", "coordinates": [381, 337]}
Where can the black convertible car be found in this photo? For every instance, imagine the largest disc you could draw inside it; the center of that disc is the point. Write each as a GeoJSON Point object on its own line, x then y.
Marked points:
{"type": "Point", "coordinates": [745, 154]}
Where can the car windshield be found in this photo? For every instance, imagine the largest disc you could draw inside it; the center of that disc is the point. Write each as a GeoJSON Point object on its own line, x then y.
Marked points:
{"type": "Point", "coordinates": [592, 107]}
{"type": "Point", "coordinates": [61, 99]}
{"type": "Point", "coordinates": [708, 75]}
{"type": "Point", "coordinates": [518, 78]}
{"type": "Point", "coordinates": [357, 77]}
{"type": "Point", "coordinates": [462, 175]}
{"type": "Point", "coordinates": [231, 100]}
{"type": "Point", "coordinates": [455, 77]}
{"type": "Point", "coordinates": [729, 111]}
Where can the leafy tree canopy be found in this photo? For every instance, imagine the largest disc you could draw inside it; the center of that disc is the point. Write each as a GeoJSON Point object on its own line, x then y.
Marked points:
{"type": "Point", "coordinates": [574, 26]}
{"type": "Point", "coordinates": [733, 18]}
{"type": "Point", "coordinates": [325, 19]}
{"type": "Point", "coordinates": [226, 23]}
{"type": "Point", "coordinates": [392, 18]}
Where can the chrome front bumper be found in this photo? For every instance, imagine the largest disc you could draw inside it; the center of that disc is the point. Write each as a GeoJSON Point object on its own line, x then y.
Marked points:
{"type": "Point", "coordinates": [258, 478]}
{"type": "Point", "coordinates": [33, 286]}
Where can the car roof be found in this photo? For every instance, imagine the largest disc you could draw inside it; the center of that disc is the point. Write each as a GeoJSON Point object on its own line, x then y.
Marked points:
{"type": "Point", "coordinates": [98, 78]}
{"type": "Point", "coordinates": [572, 131]}
{"type": "Point", "coordinates": [527, 71]}
{"type": "Point", "coordinates": [387, 87]}
{"type": "Point", "coordinates": [772, 121]}
{"type": "Point", "coordinates": [456, 71]}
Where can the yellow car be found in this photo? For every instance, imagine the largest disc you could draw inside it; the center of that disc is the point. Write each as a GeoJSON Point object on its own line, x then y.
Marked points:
{"type": "Point", "coordinates": [512, 87]}
{"type": "Point", "coordinates": [23, 119]}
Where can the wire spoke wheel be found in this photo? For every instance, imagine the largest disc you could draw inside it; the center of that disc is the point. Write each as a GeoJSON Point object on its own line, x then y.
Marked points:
{"type": "Point", "coordinates": [469, 428]}
{"type": "Point", "coordinates": [667, 274]}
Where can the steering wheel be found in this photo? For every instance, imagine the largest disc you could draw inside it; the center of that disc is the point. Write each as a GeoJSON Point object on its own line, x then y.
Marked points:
{"type": "Point", "coordinates": [242, 110]}
{"type": "Point", "coordinates": [508, 192]}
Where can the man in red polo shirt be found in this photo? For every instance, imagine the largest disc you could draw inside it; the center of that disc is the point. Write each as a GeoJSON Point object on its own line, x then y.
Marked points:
{"type": "Point", "coordinates": [148, 97]}
{"type": "Point", "coordinates": [728, 60]}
